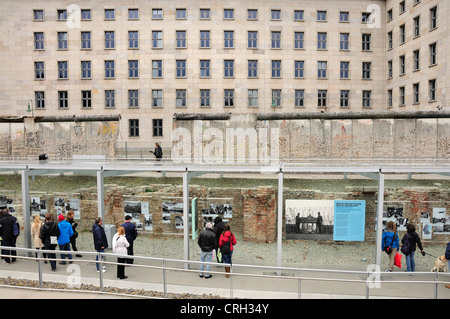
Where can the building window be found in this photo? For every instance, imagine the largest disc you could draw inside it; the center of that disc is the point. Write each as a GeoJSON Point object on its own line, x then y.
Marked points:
{"type": "Point", "coordinates": [322, 69]}
{"type": "Point", "coordinates": [252, 39]}
{"type": "Point", "coordinates": [180, 68]}
{"type": "Point", "coordinates": [133, 39]}
{"type": "Point", "coordinates": [344, 16]}
{"type": "Point", "coordinates": [39, 73]}
{"type": "Point", "coordinates": [366, 98]}
{"type": "Point", "coordinates": [299, 15]}
{"type": "Point", "coordinates": [181, 14]}
{"type": "Point", "coordinates": [86, 40]}
{"type": "Point", "coordinates": [86, 14]}
{"type": "Point", "coordinates": [205, 68]}
{"type": "Point", "coordinates": [157, 71]}
{"type": "Point", "coordinates": [62, 41]}
{"type": "Point", "coordinates": [402, 64]}
{"type": "Point", "coordinates": [390, 69]}
{"type": "Point", "coordinates": [433, 54]}
{"type": "Point", "coordinates": [390, 40]}
{"type": "Point", "coordinates": [321, 41]}
{"type": "Point", "coordinates": [157, 14]}
{"type": "Point", "coordinates": [86, 99]}
{"type": "Point", "coordinates": [157, 96]}
{"type": "Point", "coordinates": [344, 41]}
{"type": "Point", "coordinates": [402, 7]}
{"type": "Point", "coordinates": [390, 103]}
{"type": "Point", "coordinates": [180, 97]}
{"type": "Point", "coordinates": [366, 42]}
{"type": "Point", "coordinates": [417, 26]}
{"type": "Point", "coordinates": [402, 34]}
{"type": "Point", "coordinates": [205, 98]}
{"type": "Point", "coordinates": [252, 68]}
{"type": "Point", "coordinates": [322, 98]}
{"type": "Point", "coordinates": [134, 127]}
{"type": "Point", "coordinates": [110, 101]}
{"type": "Point", "coordinates": [109, 40]}
{"type": "Point", "coordinates": [133, 69]}
{"type": "Point", "coordinates": [63, 99]}
{"type": "Point", "coordinates": [228, 68]}
{"type": "Point", "coordinates": [432, 90]}
{"type": "Point", "coordinates": [252, 14]}
{"type": "Point", "coordinates": [416, 61]}
{"type": "Point", "coordinates": [299, 40]}
{"type": "Point", "coordinates": [205, 38]}
{"type": "Point", "coordinates": [228, 14]}
{"type": "Point", "coordinates": [109, 70]}
{"type": "Point", "coordinates": [299, 69]}
{"type": "Point", "coordinates": [276, 98]}
{"type": "Point", "coordinates": [366, 70]}
{"type": "Point", "coordinates": [157, 39]}
{"type": "Point", "coordinates": [228, 97]}
{"type": "Point", "coordinates": [299, 98]}
{"type": "Point", "coordinates": [38, 15]}
{"type": "Point", "coordinates": [433, 18]}
{"type": "Point", "coordinates": [275, 40]}
{"type": "Point", "coordinates": [181, 39]}
{"type": "Point", "coordinates": [344, 98]}
{"type": "Point", "coordinates": [86, 70]}
{"type": "Point", "coordinates": [253, 98]}
{"type": "Point", "coordinates": [345, 70]}
{"type": "Point", "coordinates": [389, 15]}
{"type": "Point", "coordinates": [133, 98]}
{"type": "Point", "coordinates": [110, 14]}
{"type": "Point", "coordinates": [62, 70]}
{"type": "Point", "coordinates": [205, 14]}
{"type": "Point", "coordinates": [39, 97]}
{"type": "Point", "coordinates": [276, 69]}
{"type": "Point", "coordinates": [62, 15]}
{"type": "Point", "coordinates": [365, 17]}
{"type": "Point", "coordinates": [402, 96]}
{"type": "Point", "coordinates": [39, 40]}
{"type": "Point", "coordinates": [228, 39]}
{"type": "Point", "coordinates": [416, 93]}
{"type": "Point", "coordinates": [321, 16]}
{"type": "Point", "coordinates": [157, 127]}
{"type": "Point", "coordinates": [133, 14]}
{"type": "Point", "coordinates": [275, 15]}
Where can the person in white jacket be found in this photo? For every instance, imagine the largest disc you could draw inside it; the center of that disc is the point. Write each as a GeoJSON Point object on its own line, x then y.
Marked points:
{"type": "Point", "coordinates": [119, 247]}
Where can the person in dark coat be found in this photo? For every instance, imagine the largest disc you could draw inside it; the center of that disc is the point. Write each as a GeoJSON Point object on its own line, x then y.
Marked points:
{"type": "Point", "coordinates": [413, 239]}
{"type": "Point", "coordinates": [130, 234]}
{"type": "Point", "coordinates": [8, 237]}
{"type": "Point", "coordinates": [218, 229]}
{"type": "Point", "coordinates": [100, 240]}
{"type": "Point", "coordinates": [447, 256]}
{"type": "Point", "coordinates": [207, 243]}
{"type": "Point", "coordinates": [48, 230]}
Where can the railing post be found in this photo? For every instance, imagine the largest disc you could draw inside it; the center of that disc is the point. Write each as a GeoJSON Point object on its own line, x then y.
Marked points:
{"type": "Point", "coordinates": [164, 278]}
{"type": "Point", "coordinates": [436, 286]}
{"type": "Point", "coordinates": [299, 283]}
{"type": "Point", "coordinates": [231, 281]}
{"type": "Point", "coordinates": [39, 267]}
{"type": "Point", "coordinates": [100, 269]}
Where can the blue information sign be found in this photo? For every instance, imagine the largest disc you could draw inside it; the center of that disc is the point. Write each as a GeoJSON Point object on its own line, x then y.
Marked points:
{"type": "Point", "coordinates": [349, 220]}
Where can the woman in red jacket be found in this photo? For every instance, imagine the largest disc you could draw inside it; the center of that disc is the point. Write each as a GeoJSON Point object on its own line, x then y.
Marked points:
{"type": "Point", "coordinates": [226, 243]}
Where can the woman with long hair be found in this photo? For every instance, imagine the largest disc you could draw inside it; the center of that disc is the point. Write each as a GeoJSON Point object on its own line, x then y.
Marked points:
{"type": "Point", "coordinates": [119, 247]}
{"type": "Point", "coordinates": [226, 242]}
{"type": "Point", "coordinates": [35, 234]}
{"type": "Point", "coordinates": [390, 239]}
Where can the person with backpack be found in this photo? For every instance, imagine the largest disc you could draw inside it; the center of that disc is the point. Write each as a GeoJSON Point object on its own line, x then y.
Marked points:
{"type": "Point", "coordinates": [49, 236]}
{"type": "Point", "coordinates": [390, 243]}
{"type": "Point", "coordinates": [9, 231]}
{"type": "Point", "coordinates": [409, 241]}
{"type": "Point", "coordinates": [226, 243]}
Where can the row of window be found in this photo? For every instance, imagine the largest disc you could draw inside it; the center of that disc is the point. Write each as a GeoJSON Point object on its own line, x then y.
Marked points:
{"type": "Point", "coordinates": [204, 14]}
{"type": "Point", "coordinates": [416, 62]}
{"type": "Point", "coordinates": [402, 9]}
{"type": "Point", "coordinates": [205, 71]}
{"type": "Point", "coordinates": [133, 127]}
{"type": "Point", "coordinates": [229, 40]}
{"type": "Point", "coordinates": [432, 92]}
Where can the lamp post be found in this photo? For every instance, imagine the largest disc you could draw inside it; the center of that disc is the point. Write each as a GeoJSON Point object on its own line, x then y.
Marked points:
{"type": "Point", "coordinates": [30, 107]}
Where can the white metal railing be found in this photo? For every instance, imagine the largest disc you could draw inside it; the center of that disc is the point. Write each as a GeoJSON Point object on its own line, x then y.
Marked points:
{"type": "Point", "coordinates": [279, 272]}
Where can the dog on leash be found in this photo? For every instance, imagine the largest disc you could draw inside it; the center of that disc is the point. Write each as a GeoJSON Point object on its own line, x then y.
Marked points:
{"type": "Point", "coordinates": [439, 264]}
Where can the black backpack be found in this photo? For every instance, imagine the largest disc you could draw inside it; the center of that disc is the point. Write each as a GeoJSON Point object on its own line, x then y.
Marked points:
{"type": "Point", "coordinates": [225, 249]}
{"type": "Point", "coordinates": [406, 247]}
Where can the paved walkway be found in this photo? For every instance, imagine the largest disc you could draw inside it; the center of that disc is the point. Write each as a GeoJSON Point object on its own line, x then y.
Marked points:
{"type": "Point", "coordinates": [393, 285]}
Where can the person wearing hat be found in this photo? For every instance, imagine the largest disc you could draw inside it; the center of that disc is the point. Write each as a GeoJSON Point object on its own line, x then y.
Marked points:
{"type": "Point", "coordinates": [65, 232]}
{"type": "Point", "coordinates": [130, 234]}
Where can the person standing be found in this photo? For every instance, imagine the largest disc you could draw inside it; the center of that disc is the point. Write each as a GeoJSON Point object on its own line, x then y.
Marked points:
{"type": "Point", "coordinates": [226, 242]}
{"type": "Point", "coordinates": [8, 237]}
{"type": "Point", "coordinates": [120, 247]}
{"type": "Point", "coordinates": [49, 236]}
{"type": "Point", "coordinates": [65, 232]}
{"type": "Point", "coordinates": [390, 239]}
{"type": "Point", "coordinates": [218, 229]}
{"type": "Point", "coordinates": [36, 233]}
{"type": "Point", "coordinates": [131, 234]}
{"type": "Point", "coordinates": [100, 241]}
{"type": "Point", "coordinates": [157, 152]}
{"type": "Point", "coordinates": [73, 239]}
{"type": "Point", "coordinates": [412, 238]}
{"type": "Point", "coordinates": [447, 256]}
{"type": "Point", "coordinates": [207, 243]}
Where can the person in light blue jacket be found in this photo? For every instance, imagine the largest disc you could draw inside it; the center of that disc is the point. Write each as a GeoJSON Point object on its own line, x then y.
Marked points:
{"type": "Point", "coordinates": [390, 239]}
{"type": "Point", "coordinates": [65, 232]}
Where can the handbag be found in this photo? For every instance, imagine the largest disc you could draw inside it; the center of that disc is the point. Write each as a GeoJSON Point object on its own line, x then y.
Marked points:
{"type": "Point", "coordinates": [398, 260]}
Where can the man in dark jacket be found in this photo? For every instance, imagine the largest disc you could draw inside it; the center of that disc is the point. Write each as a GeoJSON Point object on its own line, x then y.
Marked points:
{"type": "Point", "coordinates": [7, 235]}
{"type": "Point", "coordinates": [100, 241]}
{"type": "Point", "coordinates": [207, 243]}
{"type": "Point", "coordinates": [130, 234]}
{"type": "Point", "coordinates": [218, 229]}
{"type": "Point", "coordinates": [49, 235]}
